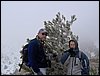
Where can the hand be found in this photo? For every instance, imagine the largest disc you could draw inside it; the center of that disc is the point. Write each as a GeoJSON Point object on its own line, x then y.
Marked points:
{"type": "Point", "coordinates": [70, 50]}
{"type": "Point", "coordinates": [72, 53]}
{"type": "Point", "coordinates": [40, 73]}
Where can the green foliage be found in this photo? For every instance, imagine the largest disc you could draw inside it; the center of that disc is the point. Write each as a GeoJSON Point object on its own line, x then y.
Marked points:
{"type": "Point", "coordinates": [59, 32]}
{"type": "Point", "coordinates": [93, 71]}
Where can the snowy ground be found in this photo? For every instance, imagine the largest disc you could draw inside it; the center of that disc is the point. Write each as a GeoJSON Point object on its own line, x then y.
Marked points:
{"type": "Point", "coordinates": [9, 62]}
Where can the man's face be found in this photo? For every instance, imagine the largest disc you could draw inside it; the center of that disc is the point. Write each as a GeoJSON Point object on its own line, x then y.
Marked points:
{"type": "Point", "coordinates": [42, 36]}
{"type": "Point", "coordinates": [72, 44]}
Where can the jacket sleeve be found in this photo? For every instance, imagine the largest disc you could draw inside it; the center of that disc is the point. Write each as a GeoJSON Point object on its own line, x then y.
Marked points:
{"type": "Point", "coordinates": [32, 52]}
{"type": "Point", "coordinates": [85, 65]}
{"type": "Point", "coordinates": [64, 57]}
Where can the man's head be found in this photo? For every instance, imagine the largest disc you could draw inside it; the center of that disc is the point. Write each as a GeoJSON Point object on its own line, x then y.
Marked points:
{"type": "Point", "coordinates": [42, 34]}
{"type": "Point", "coordinates": [73, 44]}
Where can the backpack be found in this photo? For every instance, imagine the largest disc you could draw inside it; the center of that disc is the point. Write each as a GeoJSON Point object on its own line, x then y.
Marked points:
{"type": "Point", "coordinates": [24, 53]}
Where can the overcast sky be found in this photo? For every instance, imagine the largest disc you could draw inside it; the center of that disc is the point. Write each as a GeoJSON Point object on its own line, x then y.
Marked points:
{"type": "Point", "coordinates": [23, 19]}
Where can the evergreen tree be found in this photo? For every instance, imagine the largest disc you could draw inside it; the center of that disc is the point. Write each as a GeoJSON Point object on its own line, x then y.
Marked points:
{"type": "Point", "coordinates": [59, 34]}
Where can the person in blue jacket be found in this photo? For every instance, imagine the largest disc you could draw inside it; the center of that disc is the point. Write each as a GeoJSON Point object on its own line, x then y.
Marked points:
{"type": "Point", "coordinates": [36, 53]}
{"type": "Point", "coordinates": [77, 63]}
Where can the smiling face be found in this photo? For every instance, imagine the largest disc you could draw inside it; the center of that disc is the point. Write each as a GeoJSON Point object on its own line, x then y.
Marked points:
{"type": "Point", "coordinates": [42, 35]}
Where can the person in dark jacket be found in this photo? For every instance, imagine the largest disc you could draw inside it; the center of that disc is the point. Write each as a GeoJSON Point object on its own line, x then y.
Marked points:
{"type": "Point", "coordinates": [77, 62]}
{"type": "Point", "coordinates": [36, 53]}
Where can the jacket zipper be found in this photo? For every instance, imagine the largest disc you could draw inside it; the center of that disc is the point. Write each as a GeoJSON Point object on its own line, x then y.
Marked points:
{"type": "Point", "coordinates": [72, 65]}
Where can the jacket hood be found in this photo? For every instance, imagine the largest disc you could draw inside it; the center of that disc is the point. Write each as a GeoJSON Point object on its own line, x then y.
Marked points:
{"type": "Point", "coordinates": [76, 45]}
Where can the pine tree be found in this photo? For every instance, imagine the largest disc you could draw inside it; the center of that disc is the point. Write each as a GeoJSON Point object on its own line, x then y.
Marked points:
{"type": "Point", "coordinates": [59, 34]}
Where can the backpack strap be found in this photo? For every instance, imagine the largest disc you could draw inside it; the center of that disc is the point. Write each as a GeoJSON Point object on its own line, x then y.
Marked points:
{"type": "Point", "coordinates": [21, 66]}
{"type": "Point", "coordinates": [80, 56]}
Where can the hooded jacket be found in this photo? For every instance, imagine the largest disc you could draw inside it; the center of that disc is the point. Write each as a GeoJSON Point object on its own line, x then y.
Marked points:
{"type": "Point", "coordinates": [77, 64]}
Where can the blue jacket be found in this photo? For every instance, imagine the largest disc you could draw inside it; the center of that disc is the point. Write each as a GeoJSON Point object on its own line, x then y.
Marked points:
{"type": "Point", "coordinates": [36, 55]}
{"type": "Point", "coordinates": [77, 65]}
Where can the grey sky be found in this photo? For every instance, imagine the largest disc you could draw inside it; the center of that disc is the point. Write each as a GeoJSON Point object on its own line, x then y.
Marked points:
{"type": "Point", "coordinates": [20, 20]}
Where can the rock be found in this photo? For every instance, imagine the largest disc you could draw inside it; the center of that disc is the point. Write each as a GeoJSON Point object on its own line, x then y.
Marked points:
{"type": "Point", "coordinates": [5, 67]}
{"type": "Point", "coordinates": [23, 72]}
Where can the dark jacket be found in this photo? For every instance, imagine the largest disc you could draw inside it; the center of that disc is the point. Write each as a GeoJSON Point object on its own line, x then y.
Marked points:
{"type": "Point", "coordinates": [36, 55]}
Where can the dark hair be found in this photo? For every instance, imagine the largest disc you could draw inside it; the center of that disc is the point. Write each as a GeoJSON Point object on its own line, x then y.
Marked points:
{"type": "Point", "coordinates": [76, 43]}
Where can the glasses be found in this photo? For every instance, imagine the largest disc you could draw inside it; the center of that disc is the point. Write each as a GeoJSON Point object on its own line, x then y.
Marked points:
{"type": "Point", "coordinates": [44, 34]}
